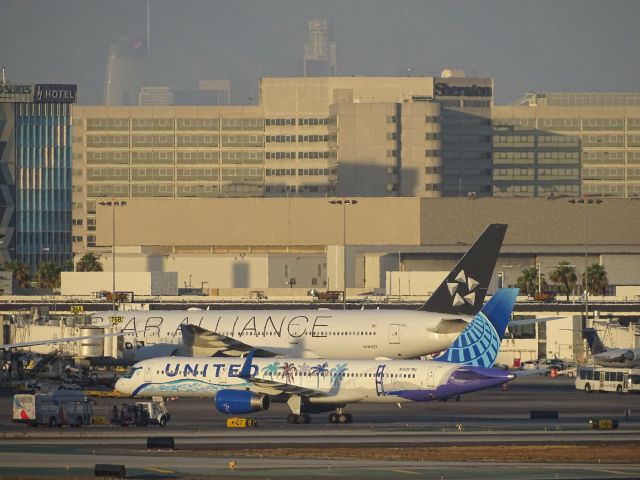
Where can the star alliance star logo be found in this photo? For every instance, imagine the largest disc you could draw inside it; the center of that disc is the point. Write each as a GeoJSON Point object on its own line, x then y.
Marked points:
{"type": "Point", "coordinates": [457, 289]}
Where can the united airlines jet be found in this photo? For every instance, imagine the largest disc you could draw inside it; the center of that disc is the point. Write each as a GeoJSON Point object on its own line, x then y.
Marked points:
{"type": "Point", "coordinates": [245, 386]}
{"type": "Point", "coordinates": [363, 334]}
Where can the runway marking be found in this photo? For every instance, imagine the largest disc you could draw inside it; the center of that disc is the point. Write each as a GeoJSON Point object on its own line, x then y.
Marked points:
{"type": "Point", "coordinates": [409, 472]}
{"type": "Point", "coordinates": [617, 472]}
{"type": "Point", "coordinates": [158, 470]}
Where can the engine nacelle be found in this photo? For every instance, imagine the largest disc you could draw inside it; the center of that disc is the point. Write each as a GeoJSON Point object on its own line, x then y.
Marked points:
{"type": "Point", "coordinates": [628, 355]}
{"type": "Point", "coordinates": [241, 401]}
{"type": "Point", "coordinates": [157, 350]}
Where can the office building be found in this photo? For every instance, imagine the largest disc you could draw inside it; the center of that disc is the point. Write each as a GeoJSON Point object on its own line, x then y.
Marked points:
{"type": "Point", "coordinates": [155, 96]}
{"type": "Point", "coordinates": [319, 58]}
{"type": "Point", "coordinates": [127, 68]}
{"type": "Point", "coordinates": [209, 92]}
{"type": "Point", "coordinates": [556, 144]}
{"type": "Point", "coordinates": [36, 171]}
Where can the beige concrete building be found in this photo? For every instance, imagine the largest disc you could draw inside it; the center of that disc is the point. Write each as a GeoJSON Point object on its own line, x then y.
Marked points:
{"type": "Point", "coordinates": [265, 243]}
{"type": "Point", "coordinates": [308, 137]}
{"type": "Point", "coordinates": [568, 144]}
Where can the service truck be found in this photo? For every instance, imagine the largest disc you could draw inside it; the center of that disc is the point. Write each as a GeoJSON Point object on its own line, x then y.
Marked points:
{"type": "Point", "coordinates": [61, 407]}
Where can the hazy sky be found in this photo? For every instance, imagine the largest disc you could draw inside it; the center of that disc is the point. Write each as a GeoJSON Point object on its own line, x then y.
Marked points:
{"type": "Point", "coordinates": [536, 45]}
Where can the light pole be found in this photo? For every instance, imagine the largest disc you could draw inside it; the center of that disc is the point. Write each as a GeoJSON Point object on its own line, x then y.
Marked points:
{"type": "Point", "coordinates": [113, 204]}
{"type": "Point", "coordinates": [585, 201]}
{"type": "Point", "coordinates": [344, 202]}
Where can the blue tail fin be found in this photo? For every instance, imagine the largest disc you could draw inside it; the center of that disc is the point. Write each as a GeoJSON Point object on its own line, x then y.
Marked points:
{"type": "Point", "coordinates": [593, 340]}
{"type": "Point", "coordinates": [479, 343]}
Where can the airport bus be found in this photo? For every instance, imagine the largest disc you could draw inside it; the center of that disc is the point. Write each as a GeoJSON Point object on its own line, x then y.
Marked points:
{"type": "Point", "coordinates": [62, 407]}
{"type": "Point", "coordinates": [608, 379]}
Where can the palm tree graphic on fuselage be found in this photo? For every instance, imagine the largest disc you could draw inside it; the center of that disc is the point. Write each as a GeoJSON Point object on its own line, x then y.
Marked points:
{"type": "Point", "coordinates": [288, 371]}
{"type": "Point", "coordinates": [271, 369]}
{"type": "Point", "coordinates": [336, 374]}
{"type": "Point", "coordinates": [304, 370]}
{"type": "Point", "coordinates": [320, 369]}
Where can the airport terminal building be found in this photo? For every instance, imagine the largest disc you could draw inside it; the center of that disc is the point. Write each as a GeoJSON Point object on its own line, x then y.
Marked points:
{"type": "Point", "coordinates": [234, 184]}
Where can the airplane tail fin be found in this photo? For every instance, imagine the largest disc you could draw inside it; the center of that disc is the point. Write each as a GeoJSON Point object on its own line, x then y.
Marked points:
{"type": "Point", "coordinates": [464, 289]}
{"type": "Point", "coordinates": [593, 340]}
{"type": "Point", "coordinates": [479, 343]}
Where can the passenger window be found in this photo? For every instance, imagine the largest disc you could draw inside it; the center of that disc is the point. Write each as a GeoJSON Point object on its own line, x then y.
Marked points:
{"type": "Point", "coordinates": [596, 375]}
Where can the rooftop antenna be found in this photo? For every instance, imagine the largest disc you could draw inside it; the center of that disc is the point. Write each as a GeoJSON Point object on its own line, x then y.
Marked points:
{"type": "Point", "coordinates": [148, 27]}
{"type": "Point", "coordinates": [4, 75]}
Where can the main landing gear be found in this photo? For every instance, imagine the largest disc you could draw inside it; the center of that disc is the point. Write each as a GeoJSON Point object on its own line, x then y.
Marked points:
{"type": "Point", "coordinates": [340, 417]}
{"type": "Point", "coordinates": [299, 419]}
{"type": "Point", "coordinates": [300, 411]}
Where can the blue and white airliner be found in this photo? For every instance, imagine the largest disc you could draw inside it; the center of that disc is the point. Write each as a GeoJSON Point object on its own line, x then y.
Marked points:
{"type": "Point", "coordinates": [320, 385]}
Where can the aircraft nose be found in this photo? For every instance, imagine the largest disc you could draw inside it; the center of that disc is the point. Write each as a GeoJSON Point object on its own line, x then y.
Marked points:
{"type": "Point", "coordinates": [122, 386]}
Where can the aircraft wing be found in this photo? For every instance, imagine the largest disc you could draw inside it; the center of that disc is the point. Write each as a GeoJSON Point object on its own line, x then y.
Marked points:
{"type": "Point", "coordinates": [204, 342]}
{"type": "Point", "coordinates": [33, 343]}
{"type": "Point", "coordinates": [531, 321]}
{"type": "Point", "coordinates": [530, 372]}
{"type": "Point", "coordinates": [275, 387]}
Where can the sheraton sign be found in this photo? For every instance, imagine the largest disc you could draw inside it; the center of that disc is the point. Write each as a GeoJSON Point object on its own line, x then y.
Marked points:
{"type": "Point", "coordinates": [443, 89]}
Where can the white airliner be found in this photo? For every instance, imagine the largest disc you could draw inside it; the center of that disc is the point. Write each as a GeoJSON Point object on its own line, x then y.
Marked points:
{"type": "Point", "coordinates": [363, 334]}
{"type": "Point", "coordinates": [610, 357]}
{"type": "Point", "coordinates": [324, 385]}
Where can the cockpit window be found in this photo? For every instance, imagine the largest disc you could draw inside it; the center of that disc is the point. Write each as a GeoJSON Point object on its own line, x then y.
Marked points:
{"type": "Point", "coordinates": [131, 372]}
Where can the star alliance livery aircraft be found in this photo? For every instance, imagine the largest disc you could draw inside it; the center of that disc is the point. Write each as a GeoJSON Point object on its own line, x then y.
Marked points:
{"type": "Point", "coordinates": [241, 386]}
{"type": "Point", "coordinates": [364, 334]}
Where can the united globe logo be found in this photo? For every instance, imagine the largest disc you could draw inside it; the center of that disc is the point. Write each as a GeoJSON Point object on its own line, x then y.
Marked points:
{"type": "Point", "coordinates": [477, 345]}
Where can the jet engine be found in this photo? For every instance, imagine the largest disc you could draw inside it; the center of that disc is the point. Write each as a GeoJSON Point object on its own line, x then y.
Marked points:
{"type": "Point", "coordinates": [241, 401]}
{"type": "Point", "coordinates": [628, 355]}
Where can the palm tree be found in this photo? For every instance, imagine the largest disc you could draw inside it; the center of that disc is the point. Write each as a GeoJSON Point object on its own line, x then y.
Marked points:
{"type": "Point", "coordinates": [89, 263]}
{"type": "Point", "coordinates": [528, 281]}
{"type": "Point", "coordinates": [48, 274]}
{"type": "Point", "coordinates": [565, 276]}
{"type": "Point", "coordinates": [20, 272]}
{"type": "Point", "coordinates": [597, 281]}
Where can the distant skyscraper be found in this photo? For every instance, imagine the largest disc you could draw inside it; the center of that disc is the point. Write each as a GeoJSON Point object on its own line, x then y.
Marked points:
{"type": "Point", "coordinates": [319, 59]}
{"type": "Point", "coordinates": [210, 92]}
{"type": "Point", "coordinates": [155, 96]}
{"type": "Point", "coordinates": [126, 72]}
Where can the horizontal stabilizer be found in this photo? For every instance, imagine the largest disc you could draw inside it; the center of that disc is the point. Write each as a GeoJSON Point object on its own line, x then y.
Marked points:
{"type": "Point", "coordinates": [449, 325]}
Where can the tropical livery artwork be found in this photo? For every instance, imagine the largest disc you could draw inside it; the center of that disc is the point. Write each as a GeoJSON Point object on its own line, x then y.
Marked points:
{"type": "Point", "coordinates": [365, 334]}
{"type": "Point", "coordinates": [247, 385]}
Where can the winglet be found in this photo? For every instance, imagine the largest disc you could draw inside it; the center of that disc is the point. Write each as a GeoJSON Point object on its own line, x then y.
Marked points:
{"type": "Point", "coordinates": [245, 372]}
{"type": "Point", "coordinates": [464, 289]}
{"type": "Point", "coordinates": [479, 343]}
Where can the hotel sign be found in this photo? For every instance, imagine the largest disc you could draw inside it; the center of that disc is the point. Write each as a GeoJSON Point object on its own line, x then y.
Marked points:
{"type": "Point", "coordinates": [38, 93]}
{"type": "Point", "coordinates": [443, 89]}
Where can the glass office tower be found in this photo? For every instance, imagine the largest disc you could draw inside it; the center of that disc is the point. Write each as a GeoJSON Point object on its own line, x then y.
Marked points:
{"type": "Point", "coordinates": [37, 169]}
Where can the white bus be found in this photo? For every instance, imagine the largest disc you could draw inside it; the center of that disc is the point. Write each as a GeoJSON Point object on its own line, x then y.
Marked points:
{"type": "Point", "coordinates": [62, 407]}
{"type": "Point", "coordinates": [608, 379]}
